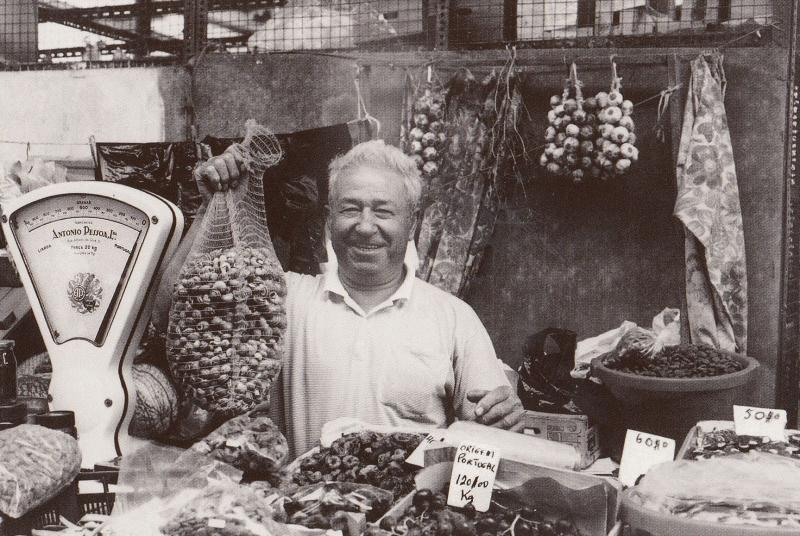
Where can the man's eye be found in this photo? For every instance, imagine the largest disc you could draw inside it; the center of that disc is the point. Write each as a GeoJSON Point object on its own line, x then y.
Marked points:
{"type": "Point", "coordinates": [349, 210]}
{"type": "Point", "coordinates": [383, 213]}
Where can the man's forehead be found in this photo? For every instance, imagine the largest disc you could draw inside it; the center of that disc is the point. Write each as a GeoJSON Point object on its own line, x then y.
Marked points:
{"type": "Point", "coordinates": [370, 181]}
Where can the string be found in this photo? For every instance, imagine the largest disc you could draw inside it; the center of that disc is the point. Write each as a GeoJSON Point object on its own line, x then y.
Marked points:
{"type": "Point", "coordinates": [663, 105]}
{"type": "Point", "coordinates": [361, 106]}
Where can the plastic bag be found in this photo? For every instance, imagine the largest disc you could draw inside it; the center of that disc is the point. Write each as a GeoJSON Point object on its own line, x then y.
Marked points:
{"type": "Point", "coordinates": [647, 343]}
{"type": "Point", "coordinates": [145, 166]}
{"type": "Point", "coordinates": [20, 178]}
{"type": "Point", "coordinates": [227, 509]}
{"type": "Point", "coordinates": [320, 505]}
{"type": "Point", "coordinates": [227, 319]}
{"type": "Point", "coordinates": [250, 442]}
{"type": "Point", "coordinates": [737, 489]}
{"type": "Point", "coordinates": [37, 463]}
{"type": "Point", "coordinates": [544, 382]}
{"type": "Point", "coordinates": [665, 332]}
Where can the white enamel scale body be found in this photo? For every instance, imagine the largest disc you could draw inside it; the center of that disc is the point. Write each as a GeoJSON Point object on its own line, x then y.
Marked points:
{"type": "Point", "coordinates": [88, 254]}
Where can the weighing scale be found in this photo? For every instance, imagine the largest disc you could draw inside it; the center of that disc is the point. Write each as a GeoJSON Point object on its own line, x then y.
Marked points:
{"type": "Point", "coordinates": [88, 254]}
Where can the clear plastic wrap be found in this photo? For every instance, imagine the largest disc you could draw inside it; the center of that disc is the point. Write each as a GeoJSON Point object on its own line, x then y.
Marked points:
{"type": "Point", "coordinates": [166, 491]}
{"type": "Point", "coordinates": [37, 463]}
{"type": "Point", "coordinates": [223, 509]}
{"type": "Point", "coordinates": [755, 488]}
{"type": "Point", "coordinates": [325, 505]}
{"type": "Point", "coordinates": [250, 442]}
{"type": "Point", "coordinates": [226, 323]}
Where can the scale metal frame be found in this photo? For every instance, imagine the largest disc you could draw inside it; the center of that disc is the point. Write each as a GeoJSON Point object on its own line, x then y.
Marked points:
{"type": "Point", "coordinates": [76, 245]}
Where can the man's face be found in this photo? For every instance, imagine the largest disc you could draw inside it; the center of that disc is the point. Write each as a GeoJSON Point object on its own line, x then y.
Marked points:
{"type": "Point", "coordinates": [370, 222]}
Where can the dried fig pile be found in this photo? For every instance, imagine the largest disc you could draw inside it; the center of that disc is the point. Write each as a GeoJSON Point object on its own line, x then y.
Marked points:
{"type": "Point", "coordinates": [364, 458]}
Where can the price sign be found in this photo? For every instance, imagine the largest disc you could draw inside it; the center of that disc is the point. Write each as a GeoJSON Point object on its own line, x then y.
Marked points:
{"type": "Point", "coordinates": [432, 440]}
{"type": "Point", "coordinates": [762, 422]}
{"type": "Point", "coordinates": [472, 480]}
{"type": "Point", "coordinates": [641, 452]}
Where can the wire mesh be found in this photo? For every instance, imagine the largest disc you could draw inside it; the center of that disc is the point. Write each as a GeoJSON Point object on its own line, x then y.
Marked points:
{"type": "Point", "coordinates": [54, 31]}
{"type": "Point", "coordinates": [18, 31]}
{"type": "Point", "coordinates": [322, 25]}
{"type": "Point", "coordinates": [475, 23]}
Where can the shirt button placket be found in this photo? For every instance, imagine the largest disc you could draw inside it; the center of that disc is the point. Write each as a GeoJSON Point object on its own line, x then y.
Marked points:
{"type": "Point", "coordinates": [361, 342]}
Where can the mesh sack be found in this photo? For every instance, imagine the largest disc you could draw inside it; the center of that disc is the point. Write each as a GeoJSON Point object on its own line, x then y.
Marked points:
{"type": "Point", "coordinates": [227, 319]}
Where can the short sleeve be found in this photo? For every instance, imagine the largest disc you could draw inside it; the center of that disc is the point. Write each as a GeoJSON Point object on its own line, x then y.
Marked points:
{"type": "Point", "coordinates": [475, 364]}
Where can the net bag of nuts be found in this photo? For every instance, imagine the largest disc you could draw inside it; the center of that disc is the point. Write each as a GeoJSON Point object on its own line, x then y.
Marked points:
{"type": "Point", "coordinates": [227, 319]}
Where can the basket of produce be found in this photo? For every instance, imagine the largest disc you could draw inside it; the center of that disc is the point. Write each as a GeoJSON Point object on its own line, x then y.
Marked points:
{"type": "Point", "coordinates": [668, 392]}
{"type": "Point", "coordinates": [751, 494]}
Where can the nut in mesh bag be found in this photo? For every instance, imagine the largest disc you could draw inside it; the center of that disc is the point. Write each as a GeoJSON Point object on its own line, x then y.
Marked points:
{"type": "Point", "coordinates": [226, 324]}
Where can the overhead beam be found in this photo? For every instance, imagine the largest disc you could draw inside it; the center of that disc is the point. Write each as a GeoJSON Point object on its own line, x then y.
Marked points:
{"type": "Point", "coordinates": [153, 8]}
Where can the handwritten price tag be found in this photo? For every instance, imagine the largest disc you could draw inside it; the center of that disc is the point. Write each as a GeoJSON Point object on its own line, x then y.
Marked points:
{"type": "Point", "coordinates": [432, 440]}
{"type": "Point", "coordinates": [472, 480]}
{"type": "Point", "coordinates": [641, 452]}
{"type": "Point", "coordinates": [762, 422]}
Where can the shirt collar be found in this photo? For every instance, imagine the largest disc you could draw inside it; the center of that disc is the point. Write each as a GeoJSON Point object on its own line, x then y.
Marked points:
{"type": "Point", "coordinates": [332, 283]}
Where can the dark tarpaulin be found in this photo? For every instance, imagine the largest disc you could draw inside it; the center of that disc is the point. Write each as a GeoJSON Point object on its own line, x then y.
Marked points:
{"type": "Point", "coordinates": [296, 190]}
{"type": "Point", "coordinates": [162, 168]}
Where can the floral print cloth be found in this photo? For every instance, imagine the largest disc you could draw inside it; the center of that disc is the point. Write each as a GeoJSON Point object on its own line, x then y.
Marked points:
{"type": "Point", "coordinates": [708, 206]}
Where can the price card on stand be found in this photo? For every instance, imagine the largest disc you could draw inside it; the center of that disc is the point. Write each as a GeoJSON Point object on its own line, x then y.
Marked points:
{"type": "Point", "coordinates": [641, 452]}
{"type": "Point", "coordinates": [762, 422]}
{"type": "Point", "coordinates": [432, 440]}
{"type": "Point", "coordinates": [472, 479]}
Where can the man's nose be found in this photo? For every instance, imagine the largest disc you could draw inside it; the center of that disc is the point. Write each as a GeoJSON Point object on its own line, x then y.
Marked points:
{"type": "Point", "coordinates": [366, 222]}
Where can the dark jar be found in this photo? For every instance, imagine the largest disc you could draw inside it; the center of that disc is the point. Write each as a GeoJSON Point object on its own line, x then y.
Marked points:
{"type": "Point", "coordinates": [8, 372]}
{"type": "Point", "coordinates": [63, 421]}
{"type": "Point", "coordinates": [12, 415]}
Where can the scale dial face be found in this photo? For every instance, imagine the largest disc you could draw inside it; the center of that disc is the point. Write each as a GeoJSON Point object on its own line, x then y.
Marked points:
{"type": "Point", "coordinates": [79, 250]}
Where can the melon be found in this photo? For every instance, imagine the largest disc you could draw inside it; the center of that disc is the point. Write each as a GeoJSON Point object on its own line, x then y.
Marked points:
{"type": "Point", "coordinates": [156, 402]}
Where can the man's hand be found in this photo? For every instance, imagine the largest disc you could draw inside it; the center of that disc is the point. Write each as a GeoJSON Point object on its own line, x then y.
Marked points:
{"type": "Point", "coordinates": [219, 173]}
{"type": "Point", "coordinates": [499, 407]}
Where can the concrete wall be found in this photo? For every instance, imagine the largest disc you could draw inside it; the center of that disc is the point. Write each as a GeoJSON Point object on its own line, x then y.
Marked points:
{"type": "Point", "coordinates": [57, 111]}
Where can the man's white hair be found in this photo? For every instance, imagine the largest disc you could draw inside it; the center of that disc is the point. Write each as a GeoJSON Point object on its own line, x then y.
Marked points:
{"type": "Point", "coordinates": [378, 155]}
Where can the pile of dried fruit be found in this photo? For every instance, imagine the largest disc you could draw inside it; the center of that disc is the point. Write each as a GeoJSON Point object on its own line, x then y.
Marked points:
{"type": "Point", "coordinates": [726, 443]}
{"type": "Point", "coordinates": [680, 361]}
{"type": "Point", "coordinates": [425, 137]}
{"type": "Point", "coordinates": [226, 328]}
{"type": "Point", "coordinates": [429, 515]}
{"type": "Point", "coordinates": [366, 458]}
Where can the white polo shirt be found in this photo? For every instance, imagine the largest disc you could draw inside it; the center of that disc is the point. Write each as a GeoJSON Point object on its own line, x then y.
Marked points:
{"type": "Point", "coordinates": [410, 360]}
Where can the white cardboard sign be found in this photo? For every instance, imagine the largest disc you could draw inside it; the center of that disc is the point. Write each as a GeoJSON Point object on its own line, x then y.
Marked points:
{"type": "Point", "coordinates": [762, 422]}
{"type": "Point", "coordinates": [641, 452]}
{"type": "Point", "coordinates": [472, 479]}
{"type": "Point", "coordinates": [433, 439]}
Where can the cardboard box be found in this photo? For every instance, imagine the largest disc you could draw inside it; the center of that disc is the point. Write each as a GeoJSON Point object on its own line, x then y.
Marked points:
{"type": "Point", "coordinates": [575, 430]}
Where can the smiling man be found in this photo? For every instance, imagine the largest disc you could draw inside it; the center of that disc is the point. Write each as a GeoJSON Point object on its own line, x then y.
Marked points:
{"type": "Point", "coordinates": [367, 339]}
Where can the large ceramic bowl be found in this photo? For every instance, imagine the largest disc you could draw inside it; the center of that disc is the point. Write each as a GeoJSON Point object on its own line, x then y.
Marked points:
{"type": "Point", "coordinates": [671, 406]}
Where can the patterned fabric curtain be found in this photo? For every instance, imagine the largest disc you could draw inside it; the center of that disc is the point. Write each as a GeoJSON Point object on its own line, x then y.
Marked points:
{"type": "Point", "coordinates": [462, 202]}
{"type": "Point", "coordinates": [708, 206]}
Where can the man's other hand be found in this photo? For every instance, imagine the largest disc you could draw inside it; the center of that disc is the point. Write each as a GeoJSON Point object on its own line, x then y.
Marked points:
{"type": "Point", "coordinates": [499, 407]}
